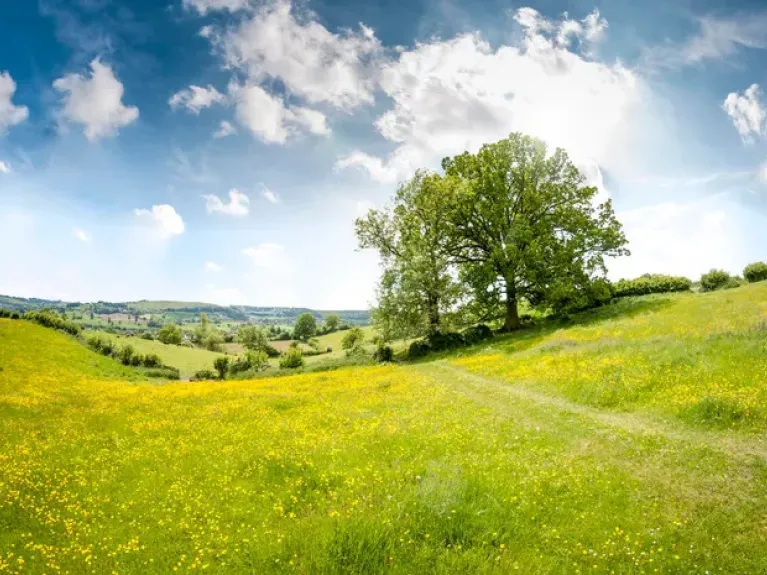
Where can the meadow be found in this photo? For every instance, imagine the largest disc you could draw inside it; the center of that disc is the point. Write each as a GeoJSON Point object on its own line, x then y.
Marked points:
{"type": "Point", "coordinates": [629, 440]}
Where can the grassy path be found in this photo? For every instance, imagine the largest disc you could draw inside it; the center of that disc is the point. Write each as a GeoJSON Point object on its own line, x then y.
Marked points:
{"type": "Point", "coordinates": [509, 399]}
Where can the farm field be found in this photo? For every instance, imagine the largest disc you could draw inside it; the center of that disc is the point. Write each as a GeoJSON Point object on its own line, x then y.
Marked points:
{"type": "Point", "coordinates": [631, 441]}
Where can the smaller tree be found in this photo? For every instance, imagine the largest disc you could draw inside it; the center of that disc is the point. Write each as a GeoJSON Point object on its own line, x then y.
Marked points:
{"type": "Point", "coordinates": [755, 272]}
{"type": "Point", "coordinates": [201, 331]}
{"type": "Point", "coordinates": [221, 365]}
{"type": "Point", "coordinates": [213, 340]}
{"type": "Point", "coordinates": [306, 327]}
{"type": "Point", "coordinates": [170, 333]}
{"type": "Point", "coordinates": [331, 322]}
{"type": "Point", "coordinates": [292, 359]}
{"type": "Point", "coordinates": [353, 338]}
{"type": "Point", "coordinates": [252, 337]}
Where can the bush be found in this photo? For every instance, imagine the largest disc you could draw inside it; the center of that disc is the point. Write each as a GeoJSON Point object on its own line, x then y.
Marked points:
{"type": "Point", "coordinates": [418, 348]}
{"type": "Point", "coordinates": [4, 313]}
{"type": "Point", "coordinates": [714, 280]}
{"type": "Point", "coordinates": [755, 272]}
{"type": "Point", "coordinates": [257, 360]}
{"type": "Point", "coordinates": [651, 283]}
{"type": "Point", "coordinates": [383, 353]}
{"type": "Point", "coordinates": [152, 360]}
{"type": "Point", "coordinates": [15, 315]}
{"type": "Point", "coordinates": [221, 365]}
{"type": "Point", "coordinates": [137, 360]}
{"type": "Point", "coordinates": [170, 334]}
{"type": "Point", "coordinates": [441, 341]}
{"type": "Point", "coordinates": [292, 359]}
{"type": "Point", "coordinates": [164, 372]}
{"type": "Point", "coordinates": [353, 338]}
{"type": "Point", "coordinates": [204, 374]}
{"type": "Point", "coordinates": [476, 334]}
{"type": "Point", "coordinates": [125, 354]}
{"type": "Point", "coordinates": [147, 335]}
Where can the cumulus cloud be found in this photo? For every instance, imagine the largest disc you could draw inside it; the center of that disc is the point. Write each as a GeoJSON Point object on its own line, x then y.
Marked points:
{"type": "Point", "coordinates": [10, 114]}
{"type": "Point", "coordinates": [164, 220]}
{"type": "Point", "coordinates": [202, 7]}
{"type": "Point", "coordinates": [312, 62]}
{"type": "Point", "coordinates": [95, 101]}
{"type": "Point", "coordinates": [212, 267]}
{"type": "Point", "coordinates": [454, 95]}
{"type": "Point", "coordinates": [196, 98]}
{"type": "Point", "coordinates": [238, 205]}
{"type": "Point", "coordinates": [270, 195]}
{"type": "Point", "coordinates": [5, 168]}
{"type": "Point", "coordinates": [81, 235]}
{"type": "Point", "coordinates": [225, 296]}
{"type": "Point", "coordinates": [224, 129]}
{"type": "Point", "coordinates": [747, 112]}
{"type": "Point", "coordinates": [270, 119]}
{"type": "Point", "coordinates": [266, 255]}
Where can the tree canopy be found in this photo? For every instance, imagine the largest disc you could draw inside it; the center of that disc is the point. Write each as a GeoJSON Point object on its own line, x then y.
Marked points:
{"type": "Point", "coordinates": [509, 223]}
{"type": "Point", "coordinates": [305, 327]}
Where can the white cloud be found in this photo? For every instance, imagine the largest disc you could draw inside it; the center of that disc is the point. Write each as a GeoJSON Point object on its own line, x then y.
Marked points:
{"type": "Point", "coordinates": [747, 112]}
{"type": "Point", "coordinates": [10, 114]}
{"type": "Point", "coordinates": [266, 255]}
{"type": "Point", "coordinates": [212, 267]}
{"type": "Point", "coordinates": [164, 219]}
{"type": "Point", "coordinates": [363, 207]}
{"type": "Point", "coordinates": [454, 95]}
{"type": "Point", "coordinates": [5, 168]}
{"type": "Point", "coordinates": [681, 239]}
{"type": "Point", "coordinates": [270, 195]}
{"type": "Point", "coordinates": [205, 6]}
{"type": "Point", "coordinates": [238, 205]}
{"type": "Point", "coordinates": [95, 102]}
{"type": "Point", "coordinates": [312, 62]}
{"type": "Point", "coordinates": [763, 173]}
{"type": "Point", "coordinates": [81, 235]}
{"type": "Point", "coordinates": [373, 165]}
{"type": "Point", "coordinates": [225, 129]}
{"type": "Point", "coordinates": [196, 98]}
{"type": "Point", "coordinates": [269, 119]}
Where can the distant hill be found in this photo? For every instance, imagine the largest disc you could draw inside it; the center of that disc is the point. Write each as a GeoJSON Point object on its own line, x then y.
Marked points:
{"type": "Point", "coordinates": [185, 311]}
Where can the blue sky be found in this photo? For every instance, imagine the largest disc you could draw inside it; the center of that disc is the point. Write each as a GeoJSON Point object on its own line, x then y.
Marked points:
{"type": "Point", "coordinates": [219, 150]}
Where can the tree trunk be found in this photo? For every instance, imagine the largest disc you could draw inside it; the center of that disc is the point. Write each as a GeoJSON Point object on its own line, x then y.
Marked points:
{"type": "Point", "coordinates": [512, 314]}
{"type": "Point", "coordinates": [433, 316]}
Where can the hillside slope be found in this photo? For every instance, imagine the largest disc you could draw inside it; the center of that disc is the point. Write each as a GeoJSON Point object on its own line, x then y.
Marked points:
{"type": "Point", "coordinates": [498, 460]}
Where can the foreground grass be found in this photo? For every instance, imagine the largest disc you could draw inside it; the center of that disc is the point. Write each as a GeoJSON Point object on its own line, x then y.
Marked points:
{"type": "Point", "coordinates": [433, 467]}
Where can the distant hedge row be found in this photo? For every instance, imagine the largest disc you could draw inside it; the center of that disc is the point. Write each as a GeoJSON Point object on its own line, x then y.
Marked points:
{"type": "Point", "coordinates": [651, 283]}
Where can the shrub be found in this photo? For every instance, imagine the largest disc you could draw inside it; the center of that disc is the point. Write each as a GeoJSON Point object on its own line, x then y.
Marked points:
{"type": "Point", "coordinates": [170, 333]}
{"type": "Point", "coordinates": [441, 341]}
{"type": "Point", "coordinates": [755, 272]}
{"type": "Point", "coordinates": [383, 353]}
{"type": "Point", "coordinates": [147, 335]}
{"type": "Point", "coordinates": [418, 348]}
{"type": "Point", "coordinates": [125, 354]}
{"type": "Point", "coordinates": [15, 315]}
{"type": "Point", "coordinates": [476, 334]}
{"type": "Point", "coordinates": [292, 359]}
{"type": "Point", "coordinates": [137, 360]}
{"type": "Point", "coordinates": [204, 374]}
{"type": "Point", "coordinates": [651, 283]}
{"type": "Point", "coordinates": [165, 371]}
{"type": "Point", "coordinates": [714, 280]}
{"type": "Point", "coordinates": [152, 360]}
{"type": "Point", "coordinates": [257, 360]}
{"type": "Point", "coordinates": [352, 338]}
{"type": "Point", "coordinates": [96, 341]}
{"type": "Point", "coordinates": [221, 365]}
{"type": "Point", "coordinates": [5, 313]}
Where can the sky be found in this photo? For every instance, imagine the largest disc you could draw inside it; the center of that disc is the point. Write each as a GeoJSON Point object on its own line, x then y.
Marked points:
{"type": "Point", "coordinates": [220, 150]}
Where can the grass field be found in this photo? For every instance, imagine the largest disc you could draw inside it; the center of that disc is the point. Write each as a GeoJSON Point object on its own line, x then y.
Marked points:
{"type": "Point", "coordinates": [188, 360]}
{"type": "Point", "coordinates": [630, 442]}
